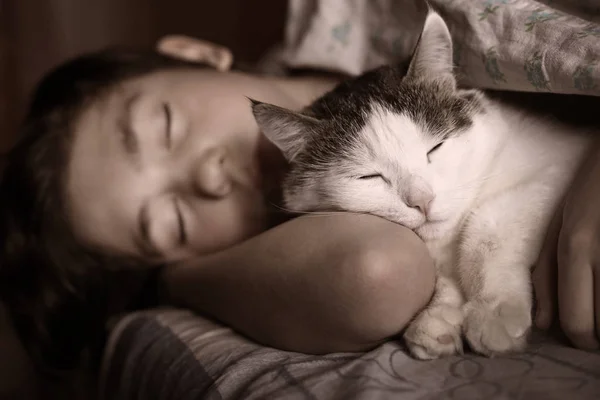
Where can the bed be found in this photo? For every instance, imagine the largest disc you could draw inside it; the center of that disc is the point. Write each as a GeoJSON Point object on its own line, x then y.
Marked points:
{"type": "Point", "coordinates": [514, 45]}
{"type": "Point", "coordinates": [170, 354]}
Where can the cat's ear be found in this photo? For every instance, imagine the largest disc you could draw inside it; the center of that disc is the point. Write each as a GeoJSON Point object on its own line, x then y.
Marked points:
{"type": "Point", "coordinates": [286, 129]}
{"type": "Point", "coordinates": [432, 57]}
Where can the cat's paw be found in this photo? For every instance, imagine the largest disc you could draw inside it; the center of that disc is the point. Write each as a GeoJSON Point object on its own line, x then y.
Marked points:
{"type": "Point", "coordinates": [496, 330]}
{"type": "Point", "coordinates": [436, 332]}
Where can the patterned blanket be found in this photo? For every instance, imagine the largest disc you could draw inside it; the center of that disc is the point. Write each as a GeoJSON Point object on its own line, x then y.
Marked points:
{"type": "Point", "coordinates": [521, 45]}
{"type": "Point", "coordinates": [171, 354]}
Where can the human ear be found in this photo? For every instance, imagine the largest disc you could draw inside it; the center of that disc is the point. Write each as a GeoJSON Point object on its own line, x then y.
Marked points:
{"type": "Point", "coordinates": [196, 50]}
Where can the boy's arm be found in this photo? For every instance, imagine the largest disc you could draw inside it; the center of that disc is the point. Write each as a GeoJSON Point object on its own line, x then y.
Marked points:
{"type": "Point", "coordinates": [342, 282]}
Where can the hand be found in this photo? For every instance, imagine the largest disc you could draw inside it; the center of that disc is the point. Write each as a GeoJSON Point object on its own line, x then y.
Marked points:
{"type": "Point", "coordinates": [567, 277]}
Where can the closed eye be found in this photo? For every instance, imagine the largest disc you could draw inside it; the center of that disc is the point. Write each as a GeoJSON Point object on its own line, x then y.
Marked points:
{"type": "Point", "coordinates": [433, 149]}
{"type": "Point", "coordinates": [374, 176]}
{"type": "Point", "coordinates": [168, 118]}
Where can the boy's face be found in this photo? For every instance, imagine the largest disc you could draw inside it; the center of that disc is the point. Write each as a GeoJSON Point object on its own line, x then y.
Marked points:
{"type": "Point", "coordinates": [172, 165]}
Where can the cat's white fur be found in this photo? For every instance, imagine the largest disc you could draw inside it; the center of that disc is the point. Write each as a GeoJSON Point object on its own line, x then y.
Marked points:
{"type": "Point", "coordinates": [482, 203]}
{"type": "Point", "coordinates": [493, 191]}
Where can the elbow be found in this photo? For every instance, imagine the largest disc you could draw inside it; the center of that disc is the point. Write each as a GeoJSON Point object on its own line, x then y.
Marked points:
{"type": "Point", "coordinates": [393, 283]}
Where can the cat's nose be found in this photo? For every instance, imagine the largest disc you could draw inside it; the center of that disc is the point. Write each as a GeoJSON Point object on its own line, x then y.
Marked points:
{"type": "Point", "coordinates": [420, 200]}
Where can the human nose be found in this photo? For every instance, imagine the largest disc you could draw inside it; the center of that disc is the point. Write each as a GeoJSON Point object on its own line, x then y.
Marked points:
{"type": "Point", "coordinates": [210, 174]}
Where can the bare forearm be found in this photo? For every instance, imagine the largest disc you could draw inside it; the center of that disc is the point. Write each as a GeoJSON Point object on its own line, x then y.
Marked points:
{"type": "Point", "coordinates": [337, 283]}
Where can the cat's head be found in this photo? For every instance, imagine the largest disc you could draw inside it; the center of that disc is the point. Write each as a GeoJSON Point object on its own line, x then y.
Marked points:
{"type": "Point", "coordinates": [400, 145]}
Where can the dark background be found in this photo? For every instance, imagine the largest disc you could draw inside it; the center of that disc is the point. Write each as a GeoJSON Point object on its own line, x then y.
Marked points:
{"type": "Point", "coordinates": [35, 35]}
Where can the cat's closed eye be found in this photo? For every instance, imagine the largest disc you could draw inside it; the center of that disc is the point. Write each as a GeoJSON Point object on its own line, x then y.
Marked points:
{"type": "Point", "coordinates": [433, 149]}
{"type": "Point", "coordinates": [374, 176]}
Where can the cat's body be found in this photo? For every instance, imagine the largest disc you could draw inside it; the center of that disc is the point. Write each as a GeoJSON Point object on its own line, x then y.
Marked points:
{"type": "Point", "coordinates": [477, 178]}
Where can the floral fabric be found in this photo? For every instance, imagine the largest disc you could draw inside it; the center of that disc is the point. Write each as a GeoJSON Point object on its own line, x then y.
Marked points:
{"type": "Point", "coordinates": [522, 45]}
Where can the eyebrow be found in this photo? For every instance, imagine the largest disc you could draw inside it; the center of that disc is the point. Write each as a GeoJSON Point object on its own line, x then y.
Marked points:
{"type": "Point", "coordinates": [129, 137]}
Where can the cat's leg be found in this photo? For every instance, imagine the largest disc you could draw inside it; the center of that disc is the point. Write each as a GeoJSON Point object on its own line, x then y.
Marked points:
{"type": "Point", "coordinates": [436, 331]}
{"type": "Point", "coordinates": [500, 244]}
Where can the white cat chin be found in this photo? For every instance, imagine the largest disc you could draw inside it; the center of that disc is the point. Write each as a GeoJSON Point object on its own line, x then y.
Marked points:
{"type": "Point", "coordinates": [410, 223]}
{"type": "Point", "coordinates": [434, 229]}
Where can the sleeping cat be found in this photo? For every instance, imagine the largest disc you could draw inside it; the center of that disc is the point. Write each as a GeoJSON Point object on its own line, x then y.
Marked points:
{"type": "Point", "coordinates": [476, 178]}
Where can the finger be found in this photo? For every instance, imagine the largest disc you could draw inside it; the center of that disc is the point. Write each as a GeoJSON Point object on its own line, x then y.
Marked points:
{"type": "Point", "coordinates": [576, 295]}
{"type": "Point", "coordinates": [545, 274]}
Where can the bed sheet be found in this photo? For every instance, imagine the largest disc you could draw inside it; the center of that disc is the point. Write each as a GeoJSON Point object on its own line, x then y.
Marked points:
{"type": "Point", "coordinates": [173, 354]}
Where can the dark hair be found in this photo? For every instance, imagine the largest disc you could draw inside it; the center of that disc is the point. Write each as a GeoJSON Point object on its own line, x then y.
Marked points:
{"type": "Point", "coordinates": [56, 290]}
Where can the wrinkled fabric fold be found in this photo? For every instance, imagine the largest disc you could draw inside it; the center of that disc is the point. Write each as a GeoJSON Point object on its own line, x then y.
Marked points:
{"type": "Point", "coordinates": [517, 45]}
